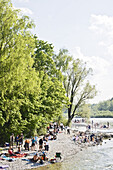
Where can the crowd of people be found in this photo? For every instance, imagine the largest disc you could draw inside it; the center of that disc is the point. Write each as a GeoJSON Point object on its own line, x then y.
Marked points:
{"type": "Point", "coordinates": [18, 143]}
{"type": "Point", "coordinates": [35, 143]}
{"type": "Point", "coordinates": [41, 144]}
{"type": "Point", "coordinates": [83, 137]}
{"type": "Point", "coordinates": [18, 140]}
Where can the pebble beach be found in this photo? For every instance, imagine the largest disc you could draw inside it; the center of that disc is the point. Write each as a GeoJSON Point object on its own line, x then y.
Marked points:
{"type": "Point", "coordinates": [63, 144]}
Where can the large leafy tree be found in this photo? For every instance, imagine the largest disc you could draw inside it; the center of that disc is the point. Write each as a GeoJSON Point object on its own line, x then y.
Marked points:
{"type": "Point", "coordinates": [43, 61]}
{"type": "Point", "coordinates": [52, 95]}
{"type": "Point", "coordinates": [75, 74]}
{"type": "Point", "coordinates": [19, 82]}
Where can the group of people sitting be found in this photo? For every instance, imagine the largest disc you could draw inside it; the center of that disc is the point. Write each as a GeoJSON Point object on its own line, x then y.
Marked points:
{"type": "Point", "coordinates": [41, 144]}
{"type": "Point", "coordinates": [82, 137]}
{"type": "Point", "coordinates": [12, 153]}
{"type": "Point", "coordinates": [41, 157]}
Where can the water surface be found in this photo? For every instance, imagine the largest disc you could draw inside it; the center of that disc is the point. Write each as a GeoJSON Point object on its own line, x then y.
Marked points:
{"type": "Point", "coordinates": [93, 158]}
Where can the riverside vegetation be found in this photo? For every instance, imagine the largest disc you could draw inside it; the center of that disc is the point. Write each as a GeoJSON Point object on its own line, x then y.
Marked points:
{"type": "Point", "coordinates": [102, 109]}
{"type": "Point", "coordinates": [35, 83]}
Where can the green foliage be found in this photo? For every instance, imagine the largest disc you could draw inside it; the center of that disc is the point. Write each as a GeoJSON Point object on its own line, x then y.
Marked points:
{"type": "Point", "coordinates": [102, 109]}
{"type": "Point", "coordinates": [18, 80]}
{"type": "Point", "coordinates": [84, 111]}
{"type": "Point", "coordinates": [43, 61]}
{"type": "Point", "coordinates": [75, 74]}
{"type": "Point", "coordinates": [35, 84]}
{"type": "Point", "coordinates": [52, 95]}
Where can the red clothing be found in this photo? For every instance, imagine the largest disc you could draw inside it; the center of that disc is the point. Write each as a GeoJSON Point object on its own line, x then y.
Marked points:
{"type": "Point", "coordinates": [10, 152]}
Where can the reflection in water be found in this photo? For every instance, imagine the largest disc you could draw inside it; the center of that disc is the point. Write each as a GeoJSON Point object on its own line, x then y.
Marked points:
{"type": "Point", "coordinates": [93, 158]}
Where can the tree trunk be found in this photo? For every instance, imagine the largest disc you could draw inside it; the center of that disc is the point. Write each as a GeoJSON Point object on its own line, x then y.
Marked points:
{"type": "Point", "coordinates": [69, 116]}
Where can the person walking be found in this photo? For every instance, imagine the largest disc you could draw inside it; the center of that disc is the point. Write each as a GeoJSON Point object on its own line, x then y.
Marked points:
{"type": "Point", "coordinates": [17, 140]}
{"type": "Point", "coordinates": [36, 142]}
{"type": "Point", "coordinates": [33, 144]}
{"type": "Point", "coordinates": [12, 139]}
{"type": "Point", "coordinates": [61, 126]}
{"type": "Point", "coordinates": [21, 138]}
{"type": "Point", "coordinates": [46, 145]}
{"type": "Point", "coordinates": [68, 130]}
{"type": "Point", "coordinates": [40, 144]}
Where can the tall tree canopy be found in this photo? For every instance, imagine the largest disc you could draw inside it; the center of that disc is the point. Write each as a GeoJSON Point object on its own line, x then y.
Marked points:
{"type": "Point", "coordinates": [75, 73]}
{"type": "Point", "coordinates": [52, 95]}
{"type": "Point", "coordinates": [18, 80]}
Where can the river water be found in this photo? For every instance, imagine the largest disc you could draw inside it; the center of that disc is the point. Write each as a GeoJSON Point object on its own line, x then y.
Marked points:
{"type": "Point", "coordinates": [93, 158]}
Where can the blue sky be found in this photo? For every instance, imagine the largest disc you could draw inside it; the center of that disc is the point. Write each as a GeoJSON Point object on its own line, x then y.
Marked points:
{"type": "Point", "coordinates": [84, 27]}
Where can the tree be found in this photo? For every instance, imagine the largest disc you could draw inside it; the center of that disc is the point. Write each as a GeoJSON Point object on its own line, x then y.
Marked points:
{"type": "Point", "coordinates": [78, 89]}
{"type": "Point", "coordinates": [84, 111]}
{"type": "Point", "coordinates": [52, 95]}
{"type": "Point", "coordinates": [18, 80]}
{"type": "Point", "coordinates": [43, 61]}
{"type": "Point", "coordinates": [62, 61]}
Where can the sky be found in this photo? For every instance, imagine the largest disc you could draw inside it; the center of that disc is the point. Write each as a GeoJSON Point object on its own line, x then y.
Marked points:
{"type": "Point", "coordinates": [84, 27]}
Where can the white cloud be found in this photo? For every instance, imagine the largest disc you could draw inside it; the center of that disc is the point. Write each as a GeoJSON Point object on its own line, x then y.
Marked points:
{"type": "Point", "coordinates": [99, 65]}
{"type": "Point", "coordinates": [102, 24]}
{"type": "Point", "coordinates": [102, 43]}
{"type": "Point", "coordinates": [110, 49]}
{"type": "Point", "coordinates": [101, 74]}
{"type": "Point", "coordinates": [24, 10]}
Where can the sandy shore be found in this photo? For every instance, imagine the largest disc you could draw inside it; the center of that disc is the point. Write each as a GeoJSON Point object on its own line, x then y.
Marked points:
{"type": "Point", "coordinates": [63, 144]}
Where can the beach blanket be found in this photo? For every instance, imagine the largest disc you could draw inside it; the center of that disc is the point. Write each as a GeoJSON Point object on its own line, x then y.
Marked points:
{"type": "Point", "coordinates": [25, 159]}
{"type": "Point", "coordinates": [4, 167]}
{"type": "Point", "coordinates": [8, 158]}
{"type": "Point", "coordinates": [19, 155]}
{"type": "Point", "coordinates": [1, 158]}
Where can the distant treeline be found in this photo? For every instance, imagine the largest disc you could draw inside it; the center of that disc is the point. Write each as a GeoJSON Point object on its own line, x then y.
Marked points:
{"type": "Point", "coordinates": [102, 109]}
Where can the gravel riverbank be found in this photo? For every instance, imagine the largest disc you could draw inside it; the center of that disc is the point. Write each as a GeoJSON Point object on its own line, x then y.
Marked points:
{"type": "Point", "coordinates": [63, 144]}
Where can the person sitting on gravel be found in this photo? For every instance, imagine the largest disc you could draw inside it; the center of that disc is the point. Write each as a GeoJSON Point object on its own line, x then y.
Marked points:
{"type": "Point", "coordinates": [44, 156]}
{"type": "Point", "coordinates": [10, 151]}
{"type": "Point", "coordinates": [49, 137]}
{"type": "Point", "coordinates": [35, 158]}
{"type": "Point", "coordinates": [6, 144]}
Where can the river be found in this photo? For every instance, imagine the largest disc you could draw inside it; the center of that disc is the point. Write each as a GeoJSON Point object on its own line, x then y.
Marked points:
{"type": "Point", "coordinates": [93, 158]}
